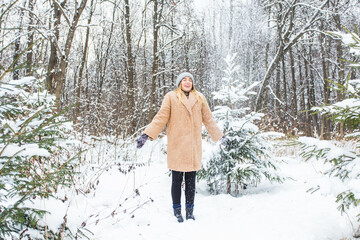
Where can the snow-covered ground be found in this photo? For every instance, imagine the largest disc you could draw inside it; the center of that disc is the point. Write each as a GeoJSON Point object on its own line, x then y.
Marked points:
{"type": "Point", "coordinates": [112, 210]}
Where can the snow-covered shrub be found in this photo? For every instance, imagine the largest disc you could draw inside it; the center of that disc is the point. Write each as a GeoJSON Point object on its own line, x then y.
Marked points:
{"type": "Point", "coordinates": [34, 157]}
{"type": "Point", "coordinates": [244, 160]}
{"type": "Point", "coordinates": [344, 164]}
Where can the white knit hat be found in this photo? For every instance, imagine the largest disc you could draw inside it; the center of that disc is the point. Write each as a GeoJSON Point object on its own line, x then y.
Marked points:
{"type": "Point", "coordinates": [181, 76]}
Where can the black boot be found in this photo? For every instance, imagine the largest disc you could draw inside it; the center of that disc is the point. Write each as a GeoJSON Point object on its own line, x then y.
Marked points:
{"type": "Point", "coordinates": [177, 214]}
{"type": "Point", "coordinates": [189, 213]}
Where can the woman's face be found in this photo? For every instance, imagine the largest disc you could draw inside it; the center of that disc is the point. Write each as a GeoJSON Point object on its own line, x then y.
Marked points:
{"type": "Point", "coordinates": [186, 84]}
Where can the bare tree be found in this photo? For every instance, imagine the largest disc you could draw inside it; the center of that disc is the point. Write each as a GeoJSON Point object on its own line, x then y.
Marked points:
{"type": "Point", "coordinates": [53, 58]}
{"type": "Point", "coordinates": [30, 40]}
{"type": "Point", "coordinates": [289, 34]}
{"type": "Point", "coordinates": [17, 43]}
{"type": "Point", "coordinates": [157, 14]}
{"type": "Point", "coordinates": [83, 62]}
{"type": "Point", "coordinates": [130, 68]}
{"type": "Point", "coordinates": [56, 81]}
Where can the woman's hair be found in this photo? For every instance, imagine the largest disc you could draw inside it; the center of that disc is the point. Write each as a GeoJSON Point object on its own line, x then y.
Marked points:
{"type": "Point", "coordinates": [180, 95]}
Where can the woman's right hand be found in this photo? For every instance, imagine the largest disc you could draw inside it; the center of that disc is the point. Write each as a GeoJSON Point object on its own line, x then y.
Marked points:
{"type": "Point", "coordinates": [141, 140]}
{"type": "Point", "coordinates": [224, 140]}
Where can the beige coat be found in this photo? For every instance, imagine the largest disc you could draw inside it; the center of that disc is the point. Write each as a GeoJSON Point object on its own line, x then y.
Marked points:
{"type": "Point", "coordinates": [183, 130]}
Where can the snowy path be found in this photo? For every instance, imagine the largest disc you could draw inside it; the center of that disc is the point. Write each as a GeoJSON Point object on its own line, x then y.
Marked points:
{"type": "Point", "coordinates": [280, 211]}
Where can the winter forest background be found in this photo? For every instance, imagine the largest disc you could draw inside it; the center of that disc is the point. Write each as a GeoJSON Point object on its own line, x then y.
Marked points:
{"type": "Point", "coordinates": [79, 80]}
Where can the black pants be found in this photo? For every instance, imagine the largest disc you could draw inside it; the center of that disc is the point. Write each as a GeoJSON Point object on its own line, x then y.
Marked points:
{"type": "Point", "coordinates": [177, 178]}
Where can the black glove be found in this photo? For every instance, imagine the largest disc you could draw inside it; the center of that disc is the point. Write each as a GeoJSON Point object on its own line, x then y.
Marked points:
{"type": "Point", "coordinates": [141, 140]}
{"type": "Point", "coordinates": [224, 140]}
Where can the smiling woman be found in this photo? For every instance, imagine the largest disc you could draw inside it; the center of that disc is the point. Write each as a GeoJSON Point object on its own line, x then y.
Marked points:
{"type": "Point", "coordinates": [183, 110]}
{"type": "Point", "coordinates": [186, 84]}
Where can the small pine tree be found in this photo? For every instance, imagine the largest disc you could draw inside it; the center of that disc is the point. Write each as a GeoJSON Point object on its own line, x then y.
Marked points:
{"type": "Point", "coordinates": [244, 160]}
{"type": "Point", "coordinates": [33, 162]}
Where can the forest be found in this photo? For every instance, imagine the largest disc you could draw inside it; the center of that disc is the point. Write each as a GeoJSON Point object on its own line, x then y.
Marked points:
{"type": "Point", "coordinates": [78, 73]}
{"type": "Point", "coordinates": [117, 59]}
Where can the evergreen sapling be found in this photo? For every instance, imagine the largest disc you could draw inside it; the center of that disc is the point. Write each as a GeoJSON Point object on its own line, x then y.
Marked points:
{"type": "Point", "coordinates": [35, 159]}
{"type": "Point", "coordinates": [244, 160]}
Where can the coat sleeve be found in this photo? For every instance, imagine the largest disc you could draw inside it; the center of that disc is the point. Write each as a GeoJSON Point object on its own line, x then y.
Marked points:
{"type": "Point", "coordinates": [210, 123]}
{"type": "Point", "coordinates": [160, 119]}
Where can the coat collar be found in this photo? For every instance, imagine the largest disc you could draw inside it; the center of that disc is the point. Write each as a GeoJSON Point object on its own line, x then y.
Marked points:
{"type": "Point", "coordinates": [189, 102]}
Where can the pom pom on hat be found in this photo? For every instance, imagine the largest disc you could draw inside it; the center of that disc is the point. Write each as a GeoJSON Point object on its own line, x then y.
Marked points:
{"type": "Point", "coordinates": [181, 76]}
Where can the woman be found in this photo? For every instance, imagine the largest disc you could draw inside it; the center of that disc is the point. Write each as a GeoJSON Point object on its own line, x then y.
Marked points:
{"type": "Point", "coordinates": [184, 110]}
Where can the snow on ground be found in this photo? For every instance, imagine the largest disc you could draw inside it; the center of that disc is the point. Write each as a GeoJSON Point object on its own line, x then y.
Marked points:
{"type": "Point", "coordinates": [270, 211]}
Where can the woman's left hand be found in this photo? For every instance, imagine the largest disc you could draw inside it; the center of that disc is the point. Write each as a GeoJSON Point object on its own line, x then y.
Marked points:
{"type": "Point", "coordinates": [141, 140]}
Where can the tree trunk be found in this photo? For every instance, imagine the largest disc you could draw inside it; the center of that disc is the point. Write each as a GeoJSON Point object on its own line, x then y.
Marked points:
{"type": "Point", "coordinates": [303, 115]}
{"type": "Point", "coordinates": [143, 120]}
{"type": "Point", "coordinates": [53, 59]}
{"type": "Point", "coordinates": [293, 86]}
{"type": "Point", "coordinates": [60, 77]}
{"type": "Point", "coordinates": [30, 41]}
{"type": "Point", "coordinates": [155, 63]}
{"type": "Point", "coordinates": [285, 97]}
{"type": "Point", "coordinates": [130, 70]}
{"type": "Point", "coordinates": [277, 91]}
{"type": "Point", "coordinates": [83, 61]}
{"type": "Point", "coordinates": [312, 97]}
{"type": "Point", "coordinates": [172, 76]}
{"type": "Point", "coordinates": [308, 126]}
{"type": "Point", "coordinates": [324, 125]}
{"type": "Point", "coordinates": [16, 56]}
{"type": "Point", "coordinates": [104, 57]}
{"type": "Point", "coordinates": [340, 65]}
